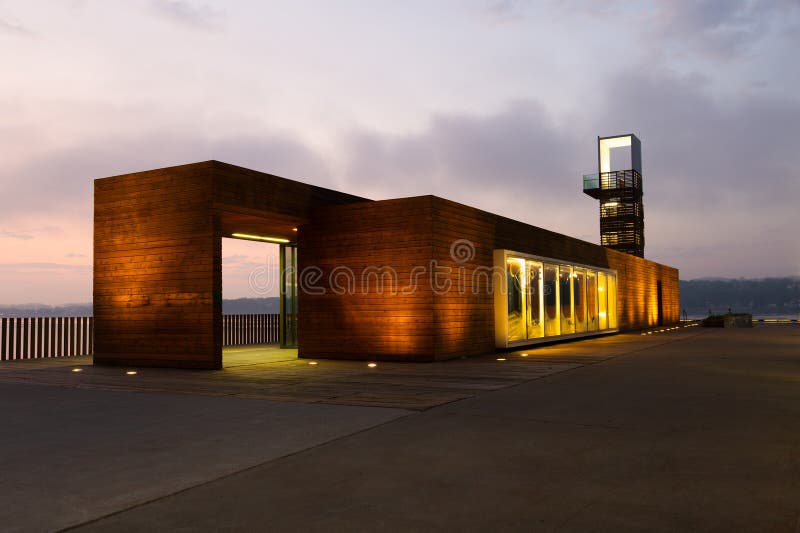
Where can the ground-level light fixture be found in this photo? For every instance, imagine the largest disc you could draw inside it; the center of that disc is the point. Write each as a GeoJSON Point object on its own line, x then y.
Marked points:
{"type": "Point", "coordinates": [131, 372]}
{"type": "Point", "coordinates": [259, 238]}
{"type": "Point", "coordinates": [501, 358]}
{"type": "Point", "coordinates": [77, 370]}
{"type": "Point", "coordinates": [524, 355]}
{"type": "Point", "coordinates": [312, 362]}
{"type": "Point", "coordinates": [372, 365]}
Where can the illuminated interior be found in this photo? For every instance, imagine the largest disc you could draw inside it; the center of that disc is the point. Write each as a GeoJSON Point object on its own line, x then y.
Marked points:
{"type": "Point", "coordinates": [546, 299]}
{"type": "Point", "coordinates": [606, 144]}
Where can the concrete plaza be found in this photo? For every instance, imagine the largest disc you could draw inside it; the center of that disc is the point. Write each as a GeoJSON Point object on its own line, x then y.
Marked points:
{"type": "Point", "coordinates": [689, 429]}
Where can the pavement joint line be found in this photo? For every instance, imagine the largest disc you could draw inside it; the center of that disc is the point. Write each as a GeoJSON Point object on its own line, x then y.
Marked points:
{"type": "Point", "coordinates": [237, 472]}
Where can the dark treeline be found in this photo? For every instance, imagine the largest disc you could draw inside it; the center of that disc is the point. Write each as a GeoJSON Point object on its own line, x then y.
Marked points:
{"type": "Point", "coordinates": [28, 310]}
{"type": "Point", "coordinates": [769, 296]}
{"type": "Point", "coordinates": [250, 306]}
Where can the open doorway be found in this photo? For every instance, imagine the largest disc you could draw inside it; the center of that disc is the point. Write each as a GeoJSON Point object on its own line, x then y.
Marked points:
{"type": "Point", "coordinates": [252, 317]}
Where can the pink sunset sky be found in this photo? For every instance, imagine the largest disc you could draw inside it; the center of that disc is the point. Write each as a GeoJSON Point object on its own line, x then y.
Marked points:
{"type": "Point", "coordinates": [496, 104]}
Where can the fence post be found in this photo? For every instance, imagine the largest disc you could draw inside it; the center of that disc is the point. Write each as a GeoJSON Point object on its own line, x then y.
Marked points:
{"type": "Point", "coordinates": [91, 335]}
{"type": "Point", "coordinates": [84, 335]}
{"type": "Point", "coordinates": [3, 338]}
{"type": "Point", "coordinates": [39, 339]}
{"type": "Point", "coordinates": [45, 337]}
{"type": "Point", "coordinates": [59, 337]}
{"type": "Point", "coordinates": [24, 353]}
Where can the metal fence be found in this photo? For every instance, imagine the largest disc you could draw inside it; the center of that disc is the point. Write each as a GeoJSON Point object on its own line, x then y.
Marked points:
{"type": "Point", "coordinates": [39, 337]}
{"type": "Point", "coordinates": [240, 330]}
{"type": "Point", "coordinates": [42, 337]}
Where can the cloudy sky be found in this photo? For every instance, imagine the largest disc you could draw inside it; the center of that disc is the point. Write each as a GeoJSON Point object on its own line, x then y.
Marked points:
{"type": "Point", "coordinates": [493, 103]}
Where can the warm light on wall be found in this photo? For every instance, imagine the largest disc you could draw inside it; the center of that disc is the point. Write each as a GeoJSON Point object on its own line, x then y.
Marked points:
{"type": "Point", "coordinates": [259, 238]}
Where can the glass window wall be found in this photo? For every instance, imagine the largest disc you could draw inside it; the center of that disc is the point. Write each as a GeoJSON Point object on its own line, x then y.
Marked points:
{"type": "Point", "coordinates": [515, 275]}
{"type": "Point", "coordinates": [612, 300]}
{"type": "Point", "coordinates": [550, 293]}
{"type": "Point", "coordinates": [565, 297]}
{"type": "Point", "coordinates": [546, 299]}
{"type": "Point", "coordinates": [579, 294]}
{"type": "Point", "coordinates": [591, 301]}
{"type": "Point", "coordinates": [602, 300]}
{"type": "Point", "coordinates": [535, 303]}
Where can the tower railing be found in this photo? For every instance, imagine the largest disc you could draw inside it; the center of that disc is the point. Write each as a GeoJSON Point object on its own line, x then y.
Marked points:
{"type": "Point", "coordinates": [595, 184]}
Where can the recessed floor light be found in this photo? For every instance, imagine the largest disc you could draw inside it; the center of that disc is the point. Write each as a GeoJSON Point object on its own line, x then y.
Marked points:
{"type": "Point", "coordinates": [77, 370]}
{"type": "Point", "coordinates": [524, 355]}
{"type": "Point", "coordinates": [312, 362]}
{"type": "Point", "coordinates": [372, 365]}
{"type": "Point", "coordinates": [501, 358]}
{"type": "Point", "coordinates": [131, 372]}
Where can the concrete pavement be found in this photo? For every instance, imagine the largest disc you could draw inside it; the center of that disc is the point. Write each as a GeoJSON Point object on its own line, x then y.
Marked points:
{"type": "Point", "coordinates": [698, 432]}
{"type": "Point", "coordinates": [71, 455]}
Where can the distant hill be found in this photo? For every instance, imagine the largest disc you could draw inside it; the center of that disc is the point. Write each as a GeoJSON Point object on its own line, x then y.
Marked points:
{"type": "Point", "coordinates": [27, 310]}
{"type": "Point", "coordinates": [251, 306]}
{"type": "Point", "coordinates": [768, 296]}
{"type": "Point", "coordinates": [240, 306]}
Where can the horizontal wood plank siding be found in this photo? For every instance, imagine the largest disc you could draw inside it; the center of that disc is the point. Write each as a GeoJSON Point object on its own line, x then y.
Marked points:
{"type": "Point", "coordinates": [637, 277]}
{"type": "Point", "coordinates": [158, 280]}
{"type": "Point", "coordinates": [158, 256]}
{"type": "Point", "coordinates": [362, 314]}
{"type": "Point", "coordinates": [155, 269]}
{"type": "Point", "coordinates": [459, 319]}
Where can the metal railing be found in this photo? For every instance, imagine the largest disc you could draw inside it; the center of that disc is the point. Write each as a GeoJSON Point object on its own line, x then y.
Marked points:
{"type": "Point", "coordinates": [618, 179]}
{"type": "Point", "coordinates": [240, 330]}
{"type": "Point", "coordinates": [41, 337]}
{"type": "Point", "coordinates": [45, 337]}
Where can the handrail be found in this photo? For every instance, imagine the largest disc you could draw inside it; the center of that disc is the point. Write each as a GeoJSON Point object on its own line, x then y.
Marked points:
{"type": "Point", "coordinates": [617, 179]}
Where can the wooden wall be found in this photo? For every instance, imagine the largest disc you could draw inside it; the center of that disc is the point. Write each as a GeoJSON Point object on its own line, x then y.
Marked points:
{"type": "Point", "coordinates": [158, 264]}
{"type": "Point", "coordinates": [156, 269]}
{"type": "Point", "coordinates": [449, 316]}
{"type": "Point", "coordinates": [354, 318]}
{"type": "Point", "coordinates": [465, 318]}
{"type": "Point", "coordinates": [158, 255]}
